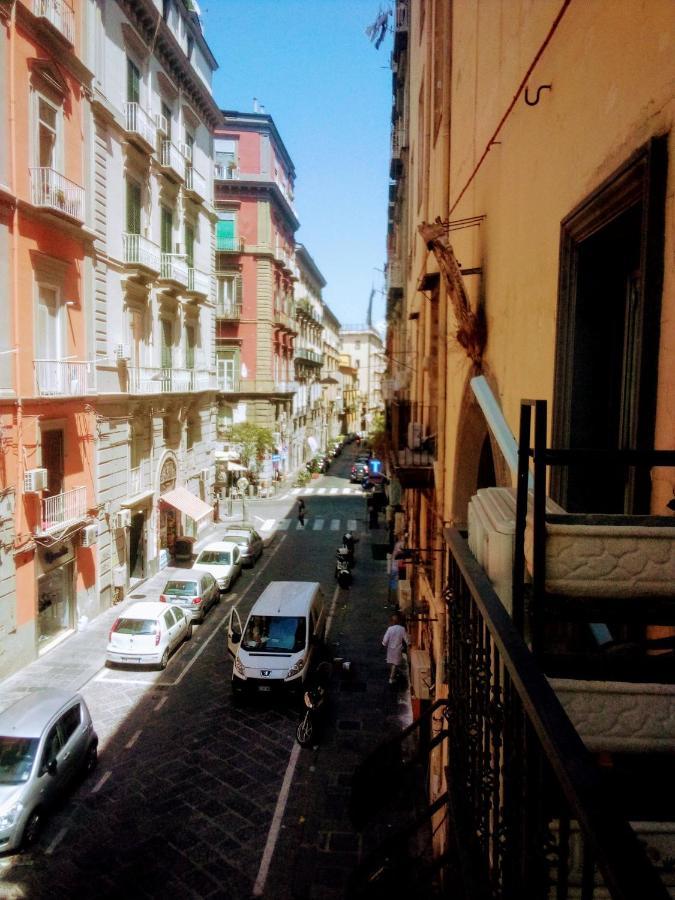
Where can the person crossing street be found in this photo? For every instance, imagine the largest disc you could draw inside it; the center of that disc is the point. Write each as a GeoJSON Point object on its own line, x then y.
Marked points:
{"type": "Point", "coordinates": [301, 512]}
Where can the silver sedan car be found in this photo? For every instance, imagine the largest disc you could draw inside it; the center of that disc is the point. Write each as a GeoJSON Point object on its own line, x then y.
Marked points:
{"type": "Point", "coordinates": [194, 592]}
{"type": "Point", "coordinates": [249, 542]}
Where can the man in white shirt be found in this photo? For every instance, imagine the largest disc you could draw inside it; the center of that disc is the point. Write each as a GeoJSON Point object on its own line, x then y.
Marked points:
{"type": "Point", "coordinates": [395, 641]}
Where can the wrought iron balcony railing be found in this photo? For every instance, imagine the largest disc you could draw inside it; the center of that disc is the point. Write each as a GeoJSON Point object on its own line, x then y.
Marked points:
{"type": "Point", "coordinates": [199, 282]}
{"type": "Point", "coordinates": [228, 384]}
{"type": "Point", "coordinates": [59, 14]}
{"type": "Point", "coordinates": [229, 311]}
{"type": "Point", "coordinates": [63, 509]}
{"type": "Point", "coordinates": [229, 244]}
{"type": "Point", "coordinates": [151, 380]}
{"type": "Point", "coordinates": [174, 268]}
{"type": "Point", "coordinates": [64, 378]}
{"type": "Point", "coordinates": [51, 190]}
{"type": "Point", "coordinates": [196, 183]}
{"type": "Point", "coordinates": [140, 123]}
{"type": "Point", "coordinates": [139, 251]}
{"type": "Point", "coordinates": [173, 160]}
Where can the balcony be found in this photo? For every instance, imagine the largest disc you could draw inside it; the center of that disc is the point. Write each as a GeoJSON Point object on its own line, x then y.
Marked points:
{"type": "Point", "coordinates": [229, 244]}
{"type": "Point", "coordinates": [141, 127]}
{"type": "Point", "coordinates": [172, 161]}
{"type": "Point", "coordinates": [59, 15]}
{"type": "Point", "coordinates": [538, 810]}
{"type": "Point", "coordinates": [140, 252]}
{"type": "Point", "coordinates": [174, 269]}
{"type": "Point", "coordinates": [413, 426]}
{"type": "Point", "coordinates": [399, 140]}
{"type": "Point", "coordinates": [63, 510]}
{"type": "Point", "coordinates": [304, 354]}
{"type": "Point", "coordinates": [285, 387]}
{"type": "Point", "coordinates": [139, 481]}
{"type": "Point", "coordinates": [156, 380]}
{"type": "Point", "coordinates": [64, 378]}
{"type": "Point", "coordinates": [229, 311]}
{"type": "Point", "coordinates": [199, 283]}
{"type": "Point", "coordinates": [402, 15]}
{"type": "Point", "coordinates": [226, 173]}
{"type": "Point", "coordinates": [50, 190]}
{"type": "Point", "coordinates": [195, 184]}
{"type": "Point", "coordinates": [228, 384]}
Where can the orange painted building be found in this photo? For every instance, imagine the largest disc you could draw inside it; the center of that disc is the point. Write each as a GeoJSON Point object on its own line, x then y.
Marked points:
{"type": "Point", "coordinates": [47, 378]}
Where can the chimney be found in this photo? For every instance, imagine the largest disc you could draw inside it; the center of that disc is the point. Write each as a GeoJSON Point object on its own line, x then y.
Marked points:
{"type": "Point", "coordinates": [256, 106]}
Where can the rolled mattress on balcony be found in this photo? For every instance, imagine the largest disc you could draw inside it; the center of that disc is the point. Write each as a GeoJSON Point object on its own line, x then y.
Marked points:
{"type": "Point", "coordinates": [608, 556]}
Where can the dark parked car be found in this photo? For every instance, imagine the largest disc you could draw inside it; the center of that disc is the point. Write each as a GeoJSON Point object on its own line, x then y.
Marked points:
{"type": "Point", "coordinates": [359, 472]}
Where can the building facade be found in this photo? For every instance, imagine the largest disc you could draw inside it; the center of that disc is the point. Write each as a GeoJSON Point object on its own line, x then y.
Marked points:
{"type": "Point", "coordinates": [330, 375]}
{"type": "Point", "coordinates": [152, 292]}
{"type": "Point", "coordinates": [554, 191]}
{"type": "Point", "coordinates": [48, 505]}
{"type": "Point", "coordinates": [366, 349]}
{"type": "Point", "coordinates": [255, 275]}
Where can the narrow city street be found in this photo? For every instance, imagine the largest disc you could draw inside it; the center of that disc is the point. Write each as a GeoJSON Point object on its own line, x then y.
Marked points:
{"type": "Point", "coordinates": [196, 797]}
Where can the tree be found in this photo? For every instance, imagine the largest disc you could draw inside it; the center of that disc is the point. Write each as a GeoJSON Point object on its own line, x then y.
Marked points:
{"type": "Point", "coordinates": [253, 442]}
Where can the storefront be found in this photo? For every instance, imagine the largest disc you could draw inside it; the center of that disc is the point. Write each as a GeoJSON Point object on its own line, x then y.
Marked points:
{"type": "Point", "coordinates": [55, 594]}
{"type": "Point", "coordinates": [181, 513]}
{"type": "Point", "coordinates": [168, 519]}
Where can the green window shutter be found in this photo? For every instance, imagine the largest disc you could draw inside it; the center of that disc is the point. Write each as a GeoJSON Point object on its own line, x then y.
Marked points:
{"type": "Point", "coordinates": [133, 82]}
{"type": "Point", "coordinates": [133, 207]}
{"type": "Point", "coordinates": [167, 231]}
{"type": "Point", "coordinates": [225, 234]}
{"type": "Point", "coordinates": [167, 338]}
{"type": "Point", "coordinates": [238, 289]}
{"type": "Point", "coordinates": [190, 245]}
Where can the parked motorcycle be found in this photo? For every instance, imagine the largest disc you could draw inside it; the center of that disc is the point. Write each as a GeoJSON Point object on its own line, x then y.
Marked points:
{"type": "Point", "coordinates": [343, 569]}
{"type": "Point", "coordinates": [315, 700]}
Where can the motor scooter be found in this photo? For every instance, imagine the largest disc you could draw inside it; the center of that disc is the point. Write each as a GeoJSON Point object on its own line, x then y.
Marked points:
{"type": "Point", "coordinates": [314, 699]}
{"type": "Point", "coordinates": [349, 541]}
{"type": "Point", "coordinates": [343, 569]}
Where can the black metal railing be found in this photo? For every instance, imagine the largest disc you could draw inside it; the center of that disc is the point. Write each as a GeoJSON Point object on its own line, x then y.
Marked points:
{"type": "Point", "coordinates": [530, 814]}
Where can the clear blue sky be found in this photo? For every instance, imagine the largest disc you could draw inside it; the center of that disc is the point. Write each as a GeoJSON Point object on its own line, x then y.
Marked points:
{"type": "Point", "coordinates": [311, 65]}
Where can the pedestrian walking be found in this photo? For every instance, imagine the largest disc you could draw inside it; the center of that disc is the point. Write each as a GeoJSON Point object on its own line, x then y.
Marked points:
{"type": "Point", "coordinates": [395, 641]}
{"type": "Point", "coordinates": [301, 512]}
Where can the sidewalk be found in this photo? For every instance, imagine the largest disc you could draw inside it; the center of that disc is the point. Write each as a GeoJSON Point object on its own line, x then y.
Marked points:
{"type": "Point", "coordinates": [319, 847]}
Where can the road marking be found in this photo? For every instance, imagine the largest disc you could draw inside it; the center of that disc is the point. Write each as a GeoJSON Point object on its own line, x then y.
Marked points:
{"type": "Point", "coordinates": [335, 525]}
{"type": "Point", "coordinates": [57, 840]}
{"type": "Point", "coordinates": [160, 704]}
{"type": "Point", "coordinates": [318, 524]}
{"type": "Point", "coordinates": [282, 799]}
{"type": "Point", "coordinates": [99, 784]}
{"type": "Point", "coordinates": [130, 743]}
{"type": "Point", "coordinates": [267, 525]}
{"type": "Point", "coordinates": [308, 491]}
{"type": "Point", "coordinates": [334, 491]}
{"type": "Point", "coordinates": [299, 527]}
{"type": "Point", "coordinates": [295, 492]}
{"type": "Point", "coordinates": [275, 827]}
{"type": "Point", "coordinates": [351, 524]}
{"type": "Point", "coordinates": [347, 490]}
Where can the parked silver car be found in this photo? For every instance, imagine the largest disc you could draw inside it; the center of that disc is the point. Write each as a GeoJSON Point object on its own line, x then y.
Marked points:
{"type": "Point", "coordinates": [194, 592]}
{"type": "Point", "coordinates": [147, 633]}
{"type": "Point", "coordinates": [46, 739]}
{"type": "Point", "coordinates": [249, 542]}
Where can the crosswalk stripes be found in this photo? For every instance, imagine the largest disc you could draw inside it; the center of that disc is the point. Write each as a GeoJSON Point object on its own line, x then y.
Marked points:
{"type": "Point", "coordinates": [317, 524]}
{"type": "Point", "coordinates": [334, 491]}
{"type": "Point", "coordinates": [321, 490]}
{"type": "Point", "coordinates": [295, 491]}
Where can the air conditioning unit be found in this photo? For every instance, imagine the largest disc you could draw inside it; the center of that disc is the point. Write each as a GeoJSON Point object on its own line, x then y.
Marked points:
{"type": "Point", "coordinates": [122, 352]}
{"type": "Point", "coordinates": [34, 480]}
{"type": "Point", "coordinates": [90, 535]}
{"type": "Point", "coordinates": [415, 435]}
{"type": "Point", "coordinates": [122, 518]}
{"type": "Point", "coordinates": [161, 123]}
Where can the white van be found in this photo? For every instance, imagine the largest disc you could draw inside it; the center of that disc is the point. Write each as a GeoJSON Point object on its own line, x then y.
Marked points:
{"type": "Point", "coordinates": [277, 646]}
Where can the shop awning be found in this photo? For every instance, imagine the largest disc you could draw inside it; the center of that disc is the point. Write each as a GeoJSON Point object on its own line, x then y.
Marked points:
{"type": "Point", "coordinates": [181, 499]}
{"type": "Point", "coordinates": [235, 467]}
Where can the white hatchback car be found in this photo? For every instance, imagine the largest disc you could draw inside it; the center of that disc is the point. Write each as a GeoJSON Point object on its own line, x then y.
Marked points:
{"type": "Point", "coordinates": [147, 633]}
{"type": "Point", "coordinates": [222, 560]}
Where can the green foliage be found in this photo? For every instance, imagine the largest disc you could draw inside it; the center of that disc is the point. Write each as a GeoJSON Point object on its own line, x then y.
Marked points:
{"type": "Point", "coordinates": [377, 436]}
{"type": "Point", "coordinates": [302, 478]}
{"type": "Point", "coordinates": [253, 441]}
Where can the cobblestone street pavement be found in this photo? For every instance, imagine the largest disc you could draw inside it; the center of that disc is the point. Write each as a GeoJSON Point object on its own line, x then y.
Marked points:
{"type": "Point", "coordinates": [195, 797]}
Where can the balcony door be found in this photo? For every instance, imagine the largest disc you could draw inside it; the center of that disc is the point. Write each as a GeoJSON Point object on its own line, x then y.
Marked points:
{"type": "Point", "coordinates": [47, 134]}
{"type": "Point", "coordinates": [133, 208]}
{"type": "Point", "coordinates": [52, 442]}
{"type": "Point", "coordinates": [166, 336]}
{"type": "Point", "coordinates": [190, 341]}
{"type": "Point", "coordinates": [166, 231]}
{"type": "Point", "coordinates": [226, 227]}
{"type": "Point", "coordinates": [133, 82]}
{"type": "Point", "coordinates": [226, 364]}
